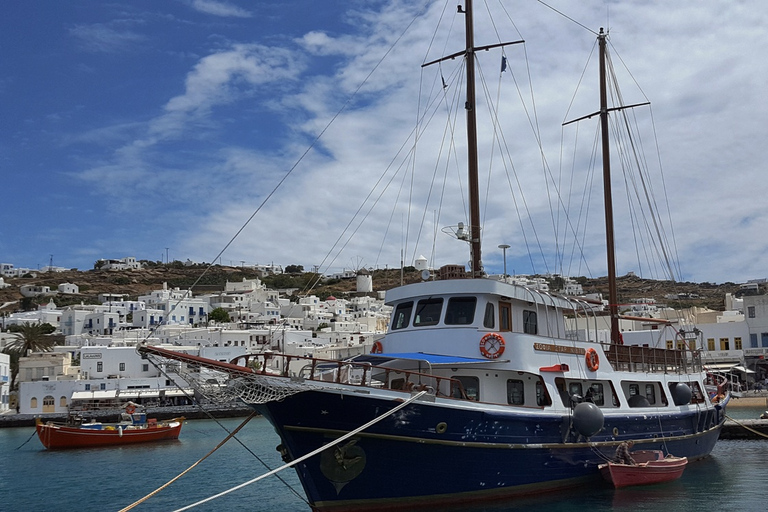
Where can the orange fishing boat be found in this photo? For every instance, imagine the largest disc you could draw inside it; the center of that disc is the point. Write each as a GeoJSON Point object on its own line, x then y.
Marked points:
{"type": "Point", "coordinates": [133, 427]}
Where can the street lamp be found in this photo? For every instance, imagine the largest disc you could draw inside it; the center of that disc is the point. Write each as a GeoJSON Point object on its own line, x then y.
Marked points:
{"type": "Point", "coordinates": [504, 248]}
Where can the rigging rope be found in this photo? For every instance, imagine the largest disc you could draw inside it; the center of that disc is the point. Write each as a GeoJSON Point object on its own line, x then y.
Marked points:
{"type": "Point", "coordinates": [310, 454]}
{"type": "Point", "coordinates": [169, 482]}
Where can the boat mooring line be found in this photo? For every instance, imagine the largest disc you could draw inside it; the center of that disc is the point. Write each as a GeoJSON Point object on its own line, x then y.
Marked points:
{"type": "Point", "coordinates": [746, 427]}
{"type": "Point", "coordinates": [305, 457]}
{"type": "Point", "coordinates": [232, 434]}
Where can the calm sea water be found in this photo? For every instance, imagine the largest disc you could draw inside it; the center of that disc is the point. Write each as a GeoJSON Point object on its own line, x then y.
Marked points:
{"type": "Point", "coordinates": [735, 477]}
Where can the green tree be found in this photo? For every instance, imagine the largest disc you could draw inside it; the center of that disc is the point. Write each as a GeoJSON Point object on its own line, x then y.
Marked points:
{"type": "Point", "coordinates": [218, 315]}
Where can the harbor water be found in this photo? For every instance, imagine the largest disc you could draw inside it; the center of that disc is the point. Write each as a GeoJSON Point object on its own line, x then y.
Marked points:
{"type": "Point", "coordinates": [32, 478]}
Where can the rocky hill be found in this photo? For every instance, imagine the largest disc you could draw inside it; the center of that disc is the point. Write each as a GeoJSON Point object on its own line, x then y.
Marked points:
{"type": "Point", "coordinates": [139, 282]}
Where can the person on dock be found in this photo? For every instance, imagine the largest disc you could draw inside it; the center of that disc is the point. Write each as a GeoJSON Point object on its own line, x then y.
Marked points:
{"type": "Point", "coordinates": [622, 453]}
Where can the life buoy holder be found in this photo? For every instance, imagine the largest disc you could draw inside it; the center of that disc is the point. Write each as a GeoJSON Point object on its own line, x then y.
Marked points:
{"type": "Point", "coordinates": [593, 361]}
{"type": "Point", "coordinates": [377, 348]}
{"type": "Point", "coordinates": [492, 345]}
{"type": "Point", "coordinates": [130, 409]}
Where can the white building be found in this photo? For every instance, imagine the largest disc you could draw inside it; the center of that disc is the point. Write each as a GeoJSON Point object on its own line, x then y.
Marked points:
{"type": "Point", "coordinates": [129, 263]}
{"type": "Point", "coordinates": [68, 289]}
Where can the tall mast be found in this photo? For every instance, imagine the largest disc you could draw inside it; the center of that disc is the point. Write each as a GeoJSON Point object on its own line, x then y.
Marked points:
{"type": "Point", "coordinates": [468, 53]}
{"type": "Point", "coordinates": [613, 296]}
{"type": "Point", "coordinates": [474, 194]}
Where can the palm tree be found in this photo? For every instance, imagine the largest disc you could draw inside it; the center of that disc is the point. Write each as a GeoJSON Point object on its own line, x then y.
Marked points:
{"type": "Point", "coordinates": [29, 338]}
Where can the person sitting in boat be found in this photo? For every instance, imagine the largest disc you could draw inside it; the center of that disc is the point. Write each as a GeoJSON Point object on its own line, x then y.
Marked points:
{"type": "Point", "coordinates": [622, 453]}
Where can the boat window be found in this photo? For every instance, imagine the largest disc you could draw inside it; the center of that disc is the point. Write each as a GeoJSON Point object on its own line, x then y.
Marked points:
{"type": "Point", "coordinates": [515, 392]}
{"type": "Point", "coordinates": [542, 397]}
{"type": "Point", "coordinates": [402, 315]}
{"type": "Point", "coordinates": [460, 311]}
{"type": "Point", "coordinates": [471, 387]}
{"type": "Point", "coordinates": [530, 322]}
{"type": "Point", "coordinates": [595, 394]}
{"type": "Point", "coordinates": [490, 316]}
{"type": "Point", "coordinates": [428, 312]}
{"type": "Point", "coordinates": [505, 316]}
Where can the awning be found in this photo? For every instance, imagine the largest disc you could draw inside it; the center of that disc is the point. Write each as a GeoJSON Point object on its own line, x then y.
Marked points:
{"type": "Point", "coordinates": [433, 359]}
{"type": "Point", "coordinates": [742, 369]}
{"type": "Point", "coordinates": [720, 366]}
{"type": "Point", "coordinates": [94, 395]}
{"type": "Point", "coordinates": [139, 393]}
{"type": "Point", "coordinates": [178, 392]}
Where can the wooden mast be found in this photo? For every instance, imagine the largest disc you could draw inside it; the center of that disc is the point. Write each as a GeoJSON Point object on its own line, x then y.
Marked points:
{"type": "Point", "coordinates": [613, 296]}
{"type": "Point", "coordinates": [472, 167]}
{"type": "Point", "coordinates": [468, 53]}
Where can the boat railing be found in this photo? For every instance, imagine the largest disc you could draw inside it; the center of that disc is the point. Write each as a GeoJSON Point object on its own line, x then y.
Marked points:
{"type": "Point", "coordinates": [637, 358]}
{"type": "Point", "coordinates": [363, 374]}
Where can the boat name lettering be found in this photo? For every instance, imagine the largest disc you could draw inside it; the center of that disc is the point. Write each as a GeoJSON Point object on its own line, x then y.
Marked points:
{"type": "Point", "coordinates": [92, 355]}
{"type": "Point", "coordinates": [546, 347]}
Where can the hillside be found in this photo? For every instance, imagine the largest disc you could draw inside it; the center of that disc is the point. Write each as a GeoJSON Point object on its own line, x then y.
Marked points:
{"type": "Point", "coordinates": [140, 282]}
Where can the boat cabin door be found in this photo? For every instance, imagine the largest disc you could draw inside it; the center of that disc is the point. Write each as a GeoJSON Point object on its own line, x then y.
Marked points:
{"type": "Point", "coordinates": [505, 316]}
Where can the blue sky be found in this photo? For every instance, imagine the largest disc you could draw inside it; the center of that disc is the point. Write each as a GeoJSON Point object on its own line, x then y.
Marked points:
{"type": "Point", "coordinates": [132, 127]}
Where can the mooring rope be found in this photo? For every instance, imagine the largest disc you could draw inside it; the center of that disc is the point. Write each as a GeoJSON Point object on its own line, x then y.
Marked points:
{"type": "Point", "coordinates": [746, 427]}
{"type": "Point", "coordinates": [310, 454]}
{"type": "Point", "coordinates": [145, 498]}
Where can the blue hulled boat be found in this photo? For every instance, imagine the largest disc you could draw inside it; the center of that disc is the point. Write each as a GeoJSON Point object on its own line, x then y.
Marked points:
{"type": "Point", "coordinates": [480, 390]}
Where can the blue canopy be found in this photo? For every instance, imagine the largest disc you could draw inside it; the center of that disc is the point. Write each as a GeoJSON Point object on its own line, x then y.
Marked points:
{"type": "Point", "coordinates": [433, 359]}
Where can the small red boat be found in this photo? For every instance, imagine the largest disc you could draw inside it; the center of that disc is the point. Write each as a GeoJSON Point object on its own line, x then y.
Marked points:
{"type": "Point", "coordinates": [651, 468]}
{"type": "Point", "coordinates": [132, 428]}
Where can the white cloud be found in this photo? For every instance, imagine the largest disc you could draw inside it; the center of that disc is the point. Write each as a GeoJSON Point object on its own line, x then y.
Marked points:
{"type": "Point", "coordinates": [102, 38]}
{"type": "Point", "coordinates": [224, 9]}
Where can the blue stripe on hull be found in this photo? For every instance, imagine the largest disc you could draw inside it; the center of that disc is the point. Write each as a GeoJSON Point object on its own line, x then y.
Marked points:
{"type": "Point", "coordinates": [408, 459]}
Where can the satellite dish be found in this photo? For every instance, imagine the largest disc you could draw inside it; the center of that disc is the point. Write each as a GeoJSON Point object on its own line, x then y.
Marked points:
{"type": "Point", "coordinates": [425, 274]}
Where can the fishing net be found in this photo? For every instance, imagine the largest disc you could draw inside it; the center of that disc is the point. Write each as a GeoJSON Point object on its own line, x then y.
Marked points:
{"type": "Point", "coordinates": [226, 385]}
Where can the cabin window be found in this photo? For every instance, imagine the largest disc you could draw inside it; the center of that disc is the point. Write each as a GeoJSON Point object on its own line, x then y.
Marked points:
{"type": "Point", "coordinates": [515, 392]}
{"type": "Point", "coordinates": [471, 387]}
{"type": "Point", "coordinates": [530, 322]}
{"type": "Point", "coordinates": [402, 315]}
{"type": "Point", "coordinates": [490, 317]}
{"type": "Point", "coordinates": [542, 397]}
{"type": "Point", "coordinates": [460, 311]}
{"type": "Point", "coordinates": [595, 394]}
{"type": "Point", "coordinates": [505, 316]}
{"type": "Point", "coordinates": [428, 312]}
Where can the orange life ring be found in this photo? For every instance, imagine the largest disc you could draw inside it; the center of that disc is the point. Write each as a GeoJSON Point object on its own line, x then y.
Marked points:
{"type": "Point", "coordinates": [130, 409]}
{"type": "Point", "coordinates": [377, 348]}
{"type": "Point", "coordinates": [593, 361]}
{"type": "Point", "coordinates": [492, 345]}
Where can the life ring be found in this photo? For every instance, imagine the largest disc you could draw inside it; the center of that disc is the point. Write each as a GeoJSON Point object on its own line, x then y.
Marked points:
{"type": "Point", "coordinates": [593, 362]}
{"type": "Point", "coordinates": [377, 348]}
{"type": "Point", "coordinates": [492, 345]}
{"type": "Point", "coordinates": [130, 408]}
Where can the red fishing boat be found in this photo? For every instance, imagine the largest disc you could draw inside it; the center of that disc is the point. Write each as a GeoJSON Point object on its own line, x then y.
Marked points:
{"type": "Point", "coordinates": [651, 467]}
{"type": "Point", "coordinates": [133, 427]}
